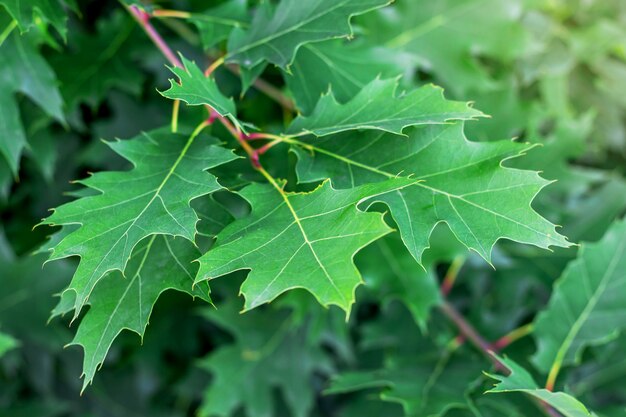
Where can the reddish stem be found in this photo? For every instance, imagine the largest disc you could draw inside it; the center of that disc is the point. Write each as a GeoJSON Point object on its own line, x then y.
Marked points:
{"type": "Point", "coordinates": [254, 136]}
{"type": "Point", "coordinates": [468, 331]}
{"type": "Point", "coordinates": [268, 146]}
{"type": "Point", "coordinates": [143, 18]}
{"type": "Point", "coordinates": [212, 117]}
{"type": "Point", "coordinates": [451, 275]}
{"type": "Point", "coordinates": [512, 336]}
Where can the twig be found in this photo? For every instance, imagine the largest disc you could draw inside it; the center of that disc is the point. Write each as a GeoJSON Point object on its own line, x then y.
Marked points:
{"type": "Point", "coordinates": [468, 331]}
{"type": "Point", "coordinates": [171, 13]}
{"type": "Point", "coordinates": [213, 66]}
{"type": "Point", "coordinates": [143, 18]}
{"type": "Point", "coordinates": [512, 336]}
{"type": "Point", "coordinates": [451, 275]}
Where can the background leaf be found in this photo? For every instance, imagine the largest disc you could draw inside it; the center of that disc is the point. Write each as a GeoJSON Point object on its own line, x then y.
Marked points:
{"type": "Point", "coordinates": [276, 33]}
{"type": "Point", "coordinates": [586, 307]}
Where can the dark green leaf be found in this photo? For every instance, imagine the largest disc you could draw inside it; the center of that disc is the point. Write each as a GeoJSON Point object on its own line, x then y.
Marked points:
{"type": "Point", "coordinates": [153, 198]}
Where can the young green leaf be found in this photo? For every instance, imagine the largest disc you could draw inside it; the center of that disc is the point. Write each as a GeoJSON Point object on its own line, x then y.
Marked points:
{"type": "Point", "coordinates": [196, 89]}
{"type": "Point", "coordinates": [519, 380]}
{"type": "Point", "coordinates": [153, 198]}
{"type": "Point", "coordinates": [276, 32]}
{"type": "Point", "coordinates": [158, 264]}
{"type": "Point", "coordinates": [378, 107]}
{"type": "Point", "coordinates": [588, 305]}
{"type": "Point", "coordinates": [298, 240]}
{"type": "Point", "coordinates": [469, 189]}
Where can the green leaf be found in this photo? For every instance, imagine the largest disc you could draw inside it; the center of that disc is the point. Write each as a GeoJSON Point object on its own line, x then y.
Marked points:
{"type": "Point", "coordinates": [378, 107]}
{"type": "Point", "coordinates": [12, 136]}
{"type": "Point", "coordinates": [249, 75]}
{"type": "Point", "coordinates": [158, 264]}
{"type": "Point", "coordinates": [94, 64]}
{"type": "Point", "coordinates": [448, 37]}
{"type": "Point", "coordinates": [26, 13]}
{"type": "Point", "coordinates": [195, 89]}
{"type": "Point", "coordinates": [269, 352]}
{"type": "Point", "coordinates": [587, 306]}
{"type": "Point", "coordinates": [216, 23]}
{"type": "Point", "coordinates": [341, 66]}
{"type": "Point", "coordinates": [276, 32]}
{"type": "Point", "coordinates": [427, 383]}
{"type": "Point", "coordinates": [601, 373]}
{"type": "Point", "coordinates": [470, 190]}
{"type": "Point", "coordinates": [153, 198]}
{"type": "Point", "coordinates": [298, 240]}
{"type": "Point", "coordinates": [26, 298]}
{"type": "Point", "coordinates": [390, 270]}
{"type": "Point", "coordinates": [22, 69]}
{"type": "Point", "coordinates": [5, 178]}
{"type": "Point", "coordinates": [7, 343]}
{"type": "Point", "coordinates": [520, 380]}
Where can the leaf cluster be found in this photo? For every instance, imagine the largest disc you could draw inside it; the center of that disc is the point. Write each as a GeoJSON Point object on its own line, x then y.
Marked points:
{"type": "Point", "coordinates": [313, 208]}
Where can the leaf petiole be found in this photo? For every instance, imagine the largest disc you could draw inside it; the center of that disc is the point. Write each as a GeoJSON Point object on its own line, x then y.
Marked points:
{"type": "Point", "coordinates": [214, 66]}
{"type": "Point", "coordinates": [451, 275]}
{"type": "Point", "coordinates": [513, 336]}
{"type": "Point", "coordinates": [178, 14]}
{"type": "Point", "coordinates": [175, 108]}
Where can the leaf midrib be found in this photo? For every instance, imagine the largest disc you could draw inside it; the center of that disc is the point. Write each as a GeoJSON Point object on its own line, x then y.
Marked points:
{"type": "Point", "coordinates": [593, 300]}
{"type": "Point", "coordinates": [80, 301]}
{"type": "Point", "coordinates": [130, 284]}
